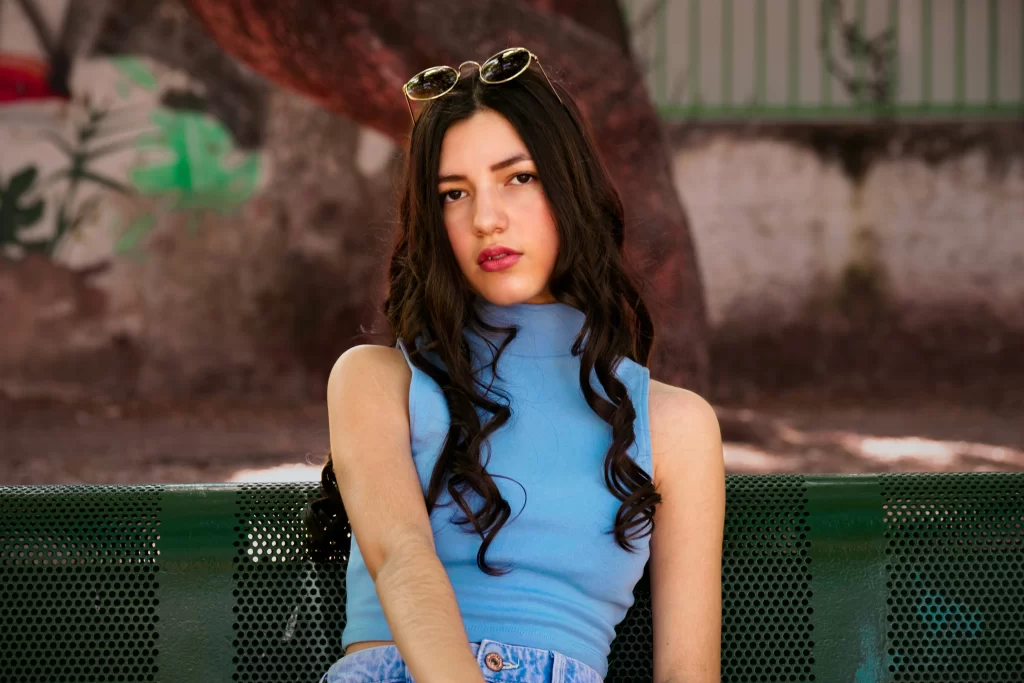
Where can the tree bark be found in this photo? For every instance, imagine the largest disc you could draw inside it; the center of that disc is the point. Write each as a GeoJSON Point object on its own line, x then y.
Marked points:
{"type": "Point", "coordinates": [353, 58]}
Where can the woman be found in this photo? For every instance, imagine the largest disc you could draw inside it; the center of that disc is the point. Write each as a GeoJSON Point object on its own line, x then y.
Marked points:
{"type": "Point", "coordinates": [503, 507]}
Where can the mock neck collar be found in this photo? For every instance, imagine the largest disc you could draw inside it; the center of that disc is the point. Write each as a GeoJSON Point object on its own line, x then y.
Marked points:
{"type": "Point", "coordinates": [545, 330]}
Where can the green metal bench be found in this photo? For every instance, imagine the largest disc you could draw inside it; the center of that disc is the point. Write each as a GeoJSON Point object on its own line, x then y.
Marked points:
{"type": "Point", "coordinates": [859, 578]}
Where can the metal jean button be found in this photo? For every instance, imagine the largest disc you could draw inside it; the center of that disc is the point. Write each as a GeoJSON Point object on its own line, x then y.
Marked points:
{"type": "Point", "coordinates": [493, 661]}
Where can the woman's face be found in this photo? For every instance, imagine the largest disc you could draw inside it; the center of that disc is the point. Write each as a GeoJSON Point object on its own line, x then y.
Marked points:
{"type": "Point", "coordinates": [491, 196]}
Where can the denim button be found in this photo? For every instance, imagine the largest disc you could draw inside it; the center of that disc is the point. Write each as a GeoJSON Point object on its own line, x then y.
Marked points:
{"type": "Point", "coordinates": [493, 661]}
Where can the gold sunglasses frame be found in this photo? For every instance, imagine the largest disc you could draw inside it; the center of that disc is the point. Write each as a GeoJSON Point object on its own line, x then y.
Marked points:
{"type": "Point", "coordinates": [458, 75]}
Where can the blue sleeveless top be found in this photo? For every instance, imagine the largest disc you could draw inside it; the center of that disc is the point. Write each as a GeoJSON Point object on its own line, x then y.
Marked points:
{"type": "Point", "coordinates": [570, 583]}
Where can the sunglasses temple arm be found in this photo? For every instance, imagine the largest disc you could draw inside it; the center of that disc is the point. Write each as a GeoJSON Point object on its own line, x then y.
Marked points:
{"type": "Point", "coordinates": [550, 83]}
{"type": "Point", "coordinates": [409, 104]}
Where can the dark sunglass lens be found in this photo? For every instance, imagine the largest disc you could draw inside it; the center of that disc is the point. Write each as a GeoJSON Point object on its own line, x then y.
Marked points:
{"type": "Point", "coordinates": [432, 82]}
{"type": "Point", "coordinates": [504, 65]}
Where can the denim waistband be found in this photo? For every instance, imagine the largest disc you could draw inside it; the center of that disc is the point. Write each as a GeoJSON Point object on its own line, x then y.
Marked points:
{"type": "Point", "coordinates": [497, 661]}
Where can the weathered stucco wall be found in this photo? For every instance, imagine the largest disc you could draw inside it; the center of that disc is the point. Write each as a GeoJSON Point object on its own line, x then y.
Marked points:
{"type": "Point", "coordinates": [172, 291]}
{"type": "Point", "coordinates": [876, 255]}
{"type": "Point", "coordinates": [777, 222]}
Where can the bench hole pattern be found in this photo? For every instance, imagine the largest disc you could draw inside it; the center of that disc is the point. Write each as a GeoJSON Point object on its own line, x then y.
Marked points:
{"type": "Point", "coordinates": [79, 580]}
{"type": "Point", "coordinates": [78, 583]}
{"type": "Point", "coordinates": [289, 610]}
{"type": "Point", "coordinates": [954, 577]}
{"type": "Point", "coordinates": [767, 619]}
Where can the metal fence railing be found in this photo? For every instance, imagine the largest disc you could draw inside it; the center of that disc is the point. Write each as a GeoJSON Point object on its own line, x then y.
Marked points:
{"type": "Point", "coordinates": [806, 59]}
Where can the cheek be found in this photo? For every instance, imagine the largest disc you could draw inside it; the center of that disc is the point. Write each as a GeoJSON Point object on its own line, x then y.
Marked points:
{"type": "Point", "coordinates": [461, 241]}
{"type": "Point", "coordinates": [547, 232]}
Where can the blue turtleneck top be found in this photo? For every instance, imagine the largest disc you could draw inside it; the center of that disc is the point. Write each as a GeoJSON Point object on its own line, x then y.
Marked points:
{"type": "Point", "coordinates": [570, 583]}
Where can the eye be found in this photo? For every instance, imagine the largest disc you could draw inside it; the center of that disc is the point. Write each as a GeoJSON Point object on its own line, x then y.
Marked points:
{"type": "Point", "coordinates": [518, 176]}
{"type": "Point", "coordinates": [444, 196]}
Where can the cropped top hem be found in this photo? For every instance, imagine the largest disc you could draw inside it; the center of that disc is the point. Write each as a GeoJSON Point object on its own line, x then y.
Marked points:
{"type": "Point", "coordinates": [541, 640]}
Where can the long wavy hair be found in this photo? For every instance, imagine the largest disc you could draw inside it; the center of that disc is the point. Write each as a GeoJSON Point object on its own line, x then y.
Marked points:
{"type": "Point", "coordinates": [429, 299]}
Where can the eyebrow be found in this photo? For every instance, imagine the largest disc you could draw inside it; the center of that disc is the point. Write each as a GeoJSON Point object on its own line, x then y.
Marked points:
{"type": "Point", "coordinates": [496, 167]}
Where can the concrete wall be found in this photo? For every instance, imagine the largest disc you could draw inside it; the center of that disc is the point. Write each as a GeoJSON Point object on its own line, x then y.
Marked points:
{"type": "Point", "coordinates": [777, 221]}
{"type": "Point", "coordinates": [880, 257]}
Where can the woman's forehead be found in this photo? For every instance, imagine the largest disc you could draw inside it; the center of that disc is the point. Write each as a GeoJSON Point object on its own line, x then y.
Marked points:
{"type": "Point", "coordinates": [479, 142]}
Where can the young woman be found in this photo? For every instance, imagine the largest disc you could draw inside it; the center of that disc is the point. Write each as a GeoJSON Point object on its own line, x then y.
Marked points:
{"type": "Point", "coordinates": [509, 468]}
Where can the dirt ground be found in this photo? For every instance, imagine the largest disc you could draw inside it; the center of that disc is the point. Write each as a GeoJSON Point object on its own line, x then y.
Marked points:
{"type": "Point", "coordinates": [219, 440]}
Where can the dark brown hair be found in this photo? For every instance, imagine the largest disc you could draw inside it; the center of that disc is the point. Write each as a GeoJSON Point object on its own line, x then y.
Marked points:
{"type": "Point", "coordinates": [429, 298]}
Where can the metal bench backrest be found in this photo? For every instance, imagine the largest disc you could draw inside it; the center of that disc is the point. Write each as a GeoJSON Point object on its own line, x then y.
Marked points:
{"type": "Point", "coordinates": [859, 578]}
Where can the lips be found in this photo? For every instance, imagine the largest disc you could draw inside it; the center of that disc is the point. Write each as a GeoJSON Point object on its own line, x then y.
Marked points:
{"type": "Point", "coordinates": [496, 251]}
{"type": "Point", "coordinates": [499, 264]}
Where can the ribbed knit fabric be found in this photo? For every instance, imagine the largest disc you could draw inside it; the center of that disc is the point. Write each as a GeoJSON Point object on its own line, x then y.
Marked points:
{"type": "Point", "coordinates": [570, 583]}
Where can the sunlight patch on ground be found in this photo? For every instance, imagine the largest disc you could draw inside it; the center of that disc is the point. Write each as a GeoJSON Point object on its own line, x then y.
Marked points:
{"type": "Point", "coordinates": [279, 473]}
{"type": "Point", "coordinates": [913, 453]}
{"type": "Point", "coordinates": [942, 453]}
{"type": "Point", "coordinates": [839, 451]}
{"type": "Point", "coordinates": [741, 457]}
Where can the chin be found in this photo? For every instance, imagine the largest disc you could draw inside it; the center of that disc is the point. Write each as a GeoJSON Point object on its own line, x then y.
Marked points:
{"type": "Point", "coordinates": [504, 298]}
{"type": "Point", "coordinates": [509, 297]}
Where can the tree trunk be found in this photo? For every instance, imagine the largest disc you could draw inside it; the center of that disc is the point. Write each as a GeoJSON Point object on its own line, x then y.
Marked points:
{"type": "Point", "coordinates": [353, 58]}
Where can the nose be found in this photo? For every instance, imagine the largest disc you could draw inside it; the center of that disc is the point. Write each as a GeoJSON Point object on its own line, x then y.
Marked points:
{"type": "Point", "coordinates": [489, 213]}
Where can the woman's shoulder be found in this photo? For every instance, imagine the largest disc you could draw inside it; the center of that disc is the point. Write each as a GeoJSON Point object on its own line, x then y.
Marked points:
{"type": "Point", "coordinates": [662, 389]}
{"type": "Point", "coordinates": [676, 416]}
{"type": "Point", "coordinates": [385, 366]}
{"type": "Point", "coordinates": [375, 357]}
{"type": "Point", "coordinates": [667, 404]}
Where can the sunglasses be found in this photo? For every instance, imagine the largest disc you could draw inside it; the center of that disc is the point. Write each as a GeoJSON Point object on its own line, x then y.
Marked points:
{"type": "Point", "coordinates": [436, 81]}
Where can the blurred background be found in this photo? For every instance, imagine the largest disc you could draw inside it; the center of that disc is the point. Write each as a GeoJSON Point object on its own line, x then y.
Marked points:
{"type": "Point", "coordinates": [197, 207]}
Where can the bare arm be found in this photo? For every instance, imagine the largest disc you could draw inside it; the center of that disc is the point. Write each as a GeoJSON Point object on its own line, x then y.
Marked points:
{"type": "Point", "coordinates": [686, 547]}
{"type": "Point", "coordinates": [369, 426]}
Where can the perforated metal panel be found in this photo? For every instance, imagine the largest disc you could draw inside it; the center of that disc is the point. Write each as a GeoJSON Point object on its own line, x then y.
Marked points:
{"type": "Point", "coordinates": [289, 611]}
{"type": "Point", "coordinates": [903, 578]}
{"type": "Point", "coordinates": [79, 583]}
{"type": "Point", "coordinates": [953, 559]}
{"type": "Point", "coordinates": [766, 616]}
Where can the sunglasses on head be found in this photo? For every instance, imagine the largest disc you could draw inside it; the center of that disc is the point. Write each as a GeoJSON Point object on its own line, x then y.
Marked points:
{"type": "Point", "coordinates": [436, 81]}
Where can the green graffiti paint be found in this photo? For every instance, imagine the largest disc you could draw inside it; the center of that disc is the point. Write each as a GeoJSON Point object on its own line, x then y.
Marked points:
{"type": "Point", "coordinates": [198, 167]}
{"type": "Point", "coordinates": [195, 168]}
{"type": "Point", "coordinates": [133, 233]}
{"type": "Point", "coordinates": [136, 71]}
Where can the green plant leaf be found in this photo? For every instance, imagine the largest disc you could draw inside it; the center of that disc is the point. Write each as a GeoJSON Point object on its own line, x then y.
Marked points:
{"type": "Point", "coordinates": [59, 142]}
{"type": "Point", "coordinates": [105, 182]}
{"type": "Point", "coordinates": [30, 215]}
{"type": "Point", "coordinates": [21, 182]}
{"type": "Point", "coordinates": [136, 71]}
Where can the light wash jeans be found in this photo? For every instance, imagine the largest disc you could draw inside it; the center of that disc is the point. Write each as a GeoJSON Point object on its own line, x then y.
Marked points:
{"type": "Point", "coordinates": [498, 662]}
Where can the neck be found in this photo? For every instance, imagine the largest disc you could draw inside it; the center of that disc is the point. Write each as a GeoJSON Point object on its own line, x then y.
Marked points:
{"type": "Point", "coordinates": [545, 330]}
